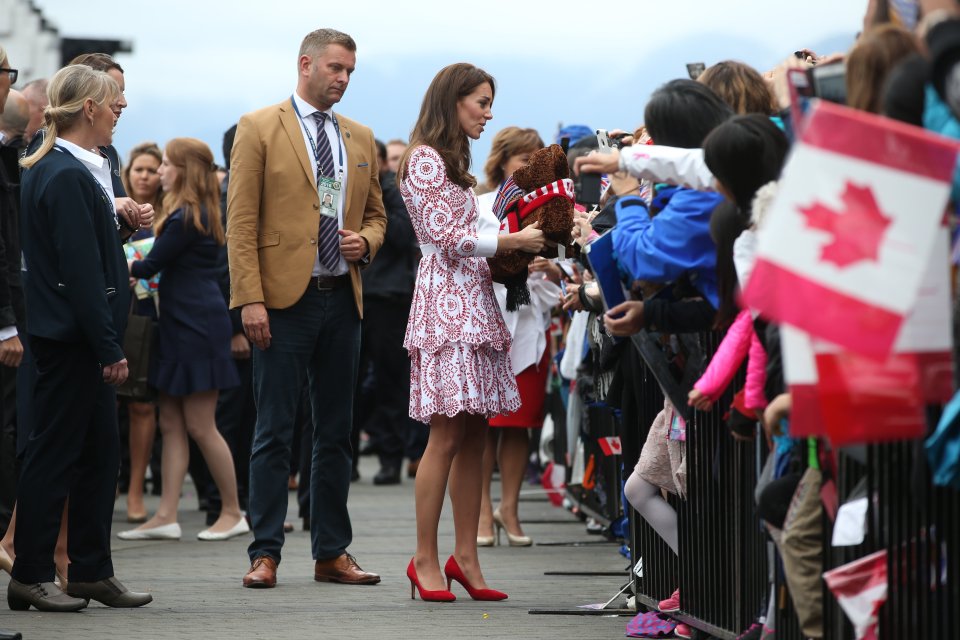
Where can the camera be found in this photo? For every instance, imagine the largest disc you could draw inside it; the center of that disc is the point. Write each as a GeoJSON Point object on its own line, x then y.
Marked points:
{"type": "Point", "coordinates": [829, 82]}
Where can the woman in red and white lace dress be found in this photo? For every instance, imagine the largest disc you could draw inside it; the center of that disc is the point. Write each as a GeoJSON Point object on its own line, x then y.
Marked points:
{"type": "Point", "coordinates": [460, 372]}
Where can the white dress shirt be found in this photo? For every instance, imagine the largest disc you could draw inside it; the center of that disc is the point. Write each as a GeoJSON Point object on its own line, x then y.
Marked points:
{"type": "Point", "coordinates": [339, 169]}
{"type": "Point", "coordinates": [96, 164]}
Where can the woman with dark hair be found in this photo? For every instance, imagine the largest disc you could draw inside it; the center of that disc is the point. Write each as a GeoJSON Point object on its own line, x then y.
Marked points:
{"type": "Point", "coordinates": [676, 241]}
{"type": "Point", "coordinates": [141, 180]}
{"type": "Point", "coordinates": [682, 112]}
{"type": "Point", "coordinates": [193, 361]}
{"type": "Point", "coordinates": [743, 154]}
{"type": "Point", "coordinates": [460, 371]}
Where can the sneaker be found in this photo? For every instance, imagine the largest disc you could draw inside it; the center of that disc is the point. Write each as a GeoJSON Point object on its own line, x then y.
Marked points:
{"type": "Point", "coordinates": [683, 631]}
{"type": "Point", "coordinates": [671, 604]}
{"type": "Point", "coordinates": [754, 632]}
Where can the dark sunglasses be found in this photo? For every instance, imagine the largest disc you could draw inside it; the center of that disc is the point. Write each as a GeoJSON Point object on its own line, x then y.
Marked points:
{"type": "Point", "coordinates": [13, 73]}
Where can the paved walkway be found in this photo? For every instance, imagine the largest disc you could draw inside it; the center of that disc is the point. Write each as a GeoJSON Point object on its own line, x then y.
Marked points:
{"type": "Point", "coordinates": [197, 592]}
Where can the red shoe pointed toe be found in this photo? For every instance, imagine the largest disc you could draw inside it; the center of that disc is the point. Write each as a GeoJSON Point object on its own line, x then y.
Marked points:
{"type": "Point", "coordinates": [453, 572]}
{"type": "Point", "coordinates": [438, 595]}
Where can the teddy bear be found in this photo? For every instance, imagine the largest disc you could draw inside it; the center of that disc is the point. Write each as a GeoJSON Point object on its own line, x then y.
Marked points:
{"type": "Point", "coordinates": [541, 191]}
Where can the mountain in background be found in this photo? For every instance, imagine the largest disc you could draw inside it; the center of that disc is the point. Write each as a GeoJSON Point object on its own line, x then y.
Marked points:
{"type": "Point", "coordinates": [385, 93]}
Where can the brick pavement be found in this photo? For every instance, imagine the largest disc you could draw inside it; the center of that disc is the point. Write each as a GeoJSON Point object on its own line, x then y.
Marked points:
{"type": "Point", "coordinates": [197, 592]}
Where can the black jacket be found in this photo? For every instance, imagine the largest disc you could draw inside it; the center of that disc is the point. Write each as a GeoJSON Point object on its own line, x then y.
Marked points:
{"type": "Point", "coordinates": [75, 278]}
{"type": "Point", "coordinates": [223, 263]}
{"type": "Point", "coordinates": [109, 152]}
{"type": "Point", "coordinates": [11, 294]}
{"type": "Point", "coordinates": [393, 272]}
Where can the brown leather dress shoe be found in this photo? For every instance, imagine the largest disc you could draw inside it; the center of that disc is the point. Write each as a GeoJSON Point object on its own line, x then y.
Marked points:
{"type": "Point", "coordinates": [262, 574]}
{"type": "Point", "coordinates": [343, 569]}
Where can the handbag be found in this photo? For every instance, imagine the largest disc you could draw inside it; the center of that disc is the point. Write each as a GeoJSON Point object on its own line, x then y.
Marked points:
{"type": "Point", "coordinates": [139, 344]}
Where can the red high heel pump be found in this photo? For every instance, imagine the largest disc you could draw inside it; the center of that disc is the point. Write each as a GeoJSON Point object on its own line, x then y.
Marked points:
{"type": "Point", "coordinates": [453, 572]}
{"type": "Point", "coordinates": [425, 594]}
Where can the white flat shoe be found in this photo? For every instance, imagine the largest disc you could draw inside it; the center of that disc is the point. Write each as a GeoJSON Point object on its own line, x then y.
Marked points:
{"type": "Point", "coordinates": [163, 532]}
{"type": "Point", "coordinates": [236, 530]}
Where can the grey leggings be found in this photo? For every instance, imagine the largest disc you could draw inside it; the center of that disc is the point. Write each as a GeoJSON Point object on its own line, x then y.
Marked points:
{"type": "Point", "coordinates": [649, 503]}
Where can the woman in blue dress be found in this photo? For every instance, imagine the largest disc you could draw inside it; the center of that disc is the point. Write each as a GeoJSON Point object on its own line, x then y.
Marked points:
{"type": "Point", "coordinates": [193, 361]}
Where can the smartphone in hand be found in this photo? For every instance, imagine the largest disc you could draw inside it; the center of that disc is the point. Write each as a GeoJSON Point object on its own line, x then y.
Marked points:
{"type": "Point", "coordinates": [695, 69]}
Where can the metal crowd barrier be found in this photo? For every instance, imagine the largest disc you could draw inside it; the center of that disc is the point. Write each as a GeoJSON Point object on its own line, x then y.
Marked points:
{"type": "Point", "coordinates": [722, 566]}
{"type": "Point", "coordinates": [723, 562]}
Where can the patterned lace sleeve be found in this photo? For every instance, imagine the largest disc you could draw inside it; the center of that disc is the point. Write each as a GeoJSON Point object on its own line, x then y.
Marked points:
{"type": "Point", "coordinates": [439, 207]}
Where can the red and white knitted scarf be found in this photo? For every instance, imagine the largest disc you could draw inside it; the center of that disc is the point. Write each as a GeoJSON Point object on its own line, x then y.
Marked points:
{"type": "Point", "coordinates": [562, 188]}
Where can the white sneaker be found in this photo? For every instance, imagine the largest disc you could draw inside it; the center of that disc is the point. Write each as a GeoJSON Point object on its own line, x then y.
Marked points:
{"type": "Point", "coordinates": [236, 530]}
{"type": "Point", "coordinates": [163, 532]}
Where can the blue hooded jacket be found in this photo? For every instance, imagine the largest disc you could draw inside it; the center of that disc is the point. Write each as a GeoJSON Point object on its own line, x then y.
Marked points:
{"type": "Point", "coordinates": [676, 241]}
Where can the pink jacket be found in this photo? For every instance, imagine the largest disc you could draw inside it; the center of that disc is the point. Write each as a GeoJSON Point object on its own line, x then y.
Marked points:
{"type": "Point", "coordinates": [740, 339]}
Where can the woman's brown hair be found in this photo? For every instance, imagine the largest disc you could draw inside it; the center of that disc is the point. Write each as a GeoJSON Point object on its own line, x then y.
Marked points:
{"type": "Point", "coordinates": [871, 60]}
{"type": "Point", "coordinates": [144, 149]}
{"type": "Point", "coordinates": [740, 86]}
{"type": "Point", "coordinates": [508, 142]}
{"type": "Point", "coordinates": [196, 188]}
{"type": "Point", "coordinates": [438, 125]}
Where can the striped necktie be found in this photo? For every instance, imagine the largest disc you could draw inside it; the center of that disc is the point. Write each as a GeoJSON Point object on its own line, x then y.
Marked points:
{"type": "Point", "coordinates": [328, 238]}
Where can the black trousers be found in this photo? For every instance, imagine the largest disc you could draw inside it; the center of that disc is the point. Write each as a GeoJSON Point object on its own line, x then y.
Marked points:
{"type": "Point", "coordinates": [388, 390]}
{"type": "Point", "coordinates": [73, 449]}
{"type": "Point", "coordinates": [9, 464]}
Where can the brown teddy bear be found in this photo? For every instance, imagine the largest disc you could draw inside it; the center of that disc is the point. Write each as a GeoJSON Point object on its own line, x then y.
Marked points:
{"type": "Point", "coordinates": [539, 192]}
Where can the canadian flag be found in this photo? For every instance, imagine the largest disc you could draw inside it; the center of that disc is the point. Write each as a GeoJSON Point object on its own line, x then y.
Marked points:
{"type": "Point", "coordinates": [610, 446]}
{"type": "Point", "coordinates": [850, 397]}
{"type": "Point", "coordinates": [858, 209]}
{"type": "Point", "coordinates": [861, 589]}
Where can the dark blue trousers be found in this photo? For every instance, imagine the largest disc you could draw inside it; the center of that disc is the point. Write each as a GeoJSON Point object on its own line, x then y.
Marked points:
{"type": "Point", "coordinates": [317, 338]}
{"type": "Point", "coordinates": [73, 449]}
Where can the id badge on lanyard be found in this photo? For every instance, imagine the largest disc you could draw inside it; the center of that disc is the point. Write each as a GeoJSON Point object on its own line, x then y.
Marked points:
{"type": "Point", "coordinates": [330, 191]}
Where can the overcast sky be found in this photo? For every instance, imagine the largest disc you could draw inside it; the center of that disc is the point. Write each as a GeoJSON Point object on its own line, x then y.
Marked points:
{"type": "Point", "coordinates": [198, 65]}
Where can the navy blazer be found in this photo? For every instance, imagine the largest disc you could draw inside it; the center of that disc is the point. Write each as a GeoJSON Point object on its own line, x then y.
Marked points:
{"type": "Point", "coordinates": [75, 279]}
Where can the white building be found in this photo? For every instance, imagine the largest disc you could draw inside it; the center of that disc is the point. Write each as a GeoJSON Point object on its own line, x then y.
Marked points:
{"type": "Point", "coordinates": [35, 45]}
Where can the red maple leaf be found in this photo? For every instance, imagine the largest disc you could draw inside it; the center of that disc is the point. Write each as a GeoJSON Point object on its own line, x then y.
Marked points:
{"type": "Point", "coordinates": [857, 228]}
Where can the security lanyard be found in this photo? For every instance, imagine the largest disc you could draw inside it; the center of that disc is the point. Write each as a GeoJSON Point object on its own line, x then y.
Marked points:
{"type": "Point", "coordinates": [313, 144]}
{"type": "Point", "coordinates": [104, 194]}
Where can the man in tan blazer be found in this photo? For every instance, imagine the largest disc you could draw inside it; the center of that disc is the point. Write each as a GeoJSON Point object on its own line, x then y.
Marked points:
{"type": "Point", "coordinates": [295, 274]}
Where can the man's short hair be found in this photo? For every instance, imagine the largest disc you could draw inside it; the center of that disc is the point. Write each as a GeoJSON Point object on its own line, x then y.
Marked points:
{"type": "Point", "coordinates": [228, 137]}
{"type": "Point", "coordinates": [397, 141]}
{"type": "Point", "coordinates": [40, 85]}
{"type": "Point", "coordinates": [316, 41]}
{"type": "Point", "coordinates": [16, 114]}
{"type": "Point", "coordinates": [97, 61]}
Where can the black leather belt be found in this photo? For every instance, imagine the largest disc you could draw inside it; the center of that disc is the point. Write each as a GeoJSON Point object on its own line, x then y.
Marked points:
{"type": "Point", "coordinates": [325, 283]}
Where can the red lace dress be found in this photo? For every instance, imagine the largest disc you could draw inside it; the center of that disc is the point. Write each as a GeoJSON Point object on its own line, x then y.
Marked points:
{"type": "Point", "coordinates": [458, 343]}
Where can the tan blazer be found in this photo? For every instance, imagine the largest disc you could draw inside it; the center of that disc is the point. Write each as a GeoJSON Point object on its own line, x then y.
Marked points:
{"type": "Point", "coordinates": [273, 210]}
